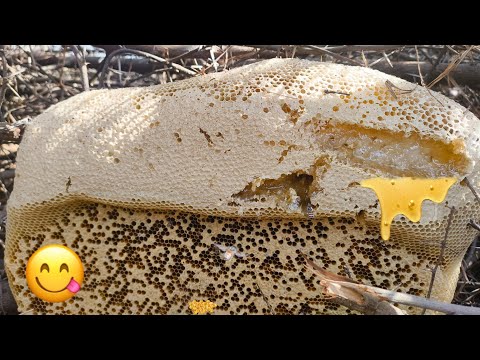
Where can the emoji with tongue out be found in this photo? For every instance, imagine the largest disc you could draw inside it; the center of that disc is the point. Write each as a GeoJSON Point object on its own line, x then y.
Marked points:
{"type": "Point", "coordinates": [54, 273]}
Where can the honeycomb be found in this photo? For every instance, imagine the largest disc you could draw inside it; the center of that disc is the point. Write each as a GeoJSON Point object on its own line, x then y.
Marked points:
{"type": "Point", "coordinates": [145, 183]}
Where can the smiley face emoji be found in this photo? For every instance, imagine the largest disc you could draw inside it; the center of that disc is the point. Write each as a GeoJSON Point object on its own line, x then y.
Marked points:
{"type": "Point", "coordinates": [54, 273]}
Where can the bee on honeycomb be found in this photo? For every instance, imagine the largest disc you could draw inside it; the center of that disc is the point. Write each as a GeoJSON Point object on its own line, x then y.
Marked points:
{"type": "Point", "coordinates": [228, 252]}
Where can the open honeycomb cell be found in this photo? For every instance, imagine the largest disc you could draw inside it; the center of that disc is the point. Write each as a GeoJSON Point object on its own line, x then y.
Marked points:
{"type": "Point", "coordinates": [267, 159]}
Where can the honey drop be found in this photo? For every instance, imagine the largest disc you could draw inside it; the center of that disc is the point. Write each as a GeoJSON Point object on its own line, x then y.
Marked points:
{"type": "Point", "coordinates": [406, 197]}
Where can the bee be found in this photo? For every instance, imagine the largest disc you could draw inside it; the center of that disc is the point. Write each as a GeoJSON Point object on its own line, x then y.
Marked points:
{"type": "Point", "coordinates": [295, 203]}
{"type": "Point", "coordinates": [310, 211]}
{"type": "Point", "coordinates": [229, 251]}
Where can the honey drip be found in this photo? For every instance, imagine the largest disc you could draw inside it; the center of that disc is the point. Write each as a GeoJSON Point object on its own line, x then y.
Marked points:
{"type": "Point", "coordinates": [405, 196]}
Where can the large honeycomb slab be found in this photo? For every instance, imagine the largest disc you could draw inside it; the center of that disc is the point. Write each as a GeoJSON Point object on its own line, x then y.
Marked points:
{"type": "Point", "coordinates": [142, 182]}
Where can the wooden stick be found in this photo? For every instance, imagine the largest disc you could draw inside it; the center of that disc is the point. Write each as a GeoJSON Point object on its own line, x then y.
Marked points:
{"type": "Point", "coordinates": [4, 83]}
{"type": "Point", "coordinates": [417, 301]}
{"type": "Point", "coordinates": [443, 246]}
{"type": "Point", "coordinates": [82, 64]}
{"type": "Point", "coordinates": [340, 286]}
{"type": "Point", "coordinates": [472, 189]}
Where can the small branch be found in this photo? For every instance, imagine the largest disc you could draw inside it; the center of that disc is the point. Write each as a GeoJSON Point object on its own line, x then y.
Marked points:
{"type": "Point", "coordinates": [422, 82]}
{"type": "Point", "coordinates": [365, 61]}
{"type": "Point", "coordinates": [469, 283]}
{"type": "Point", "coordinates": [143, 76]}
{"type": "Point", "coordinates": [438, 59]}
{"type": "Point", "coordinates": [30, 54]}
{"type": "Point", "coordinates": [418, 66]}
{"type": "Point", "coordinates": [412, 300]}
{"type": "Point", "coordinates": [274, 51]}
{"type": "Point", "coordinates": [352, 298]}
{"type": "Point", "coordinates": [175, 52]}
{"type": "Point", "coordinates": [215, 60]}
{"type": "Point", "coordinates": [109, 58]}
{"type": "Point", "coordinates": [265, 299]}
{"type": "Point", "coordinates": [372, 305]}
{"type": "Point", "coordinates": [453, 64]}
{"type": "Point", "coordinates": [385, 56]}
{"type": "Point", "coordinates": [470, 258]}
{"type": "Point", "coordinates": [467, 74]}
{"type": "Point", "coordinates": [305, 50]}
{"type": "Point", "coordinates": [339, 286]}
{"type": "Point", "coordinates": [4, 83]}
{"type": "Point", "coordinates": [364, 48]}
{"type": "Point", "coordinates": [443, 246]}
{"type": "Point", "coordinates": [34, 91]}
{"type": "Point", "coordinates": [82, 65]}
{"type": "Point", "coordinates": [334, 55]}
{"type": "Point", "coordinates": [472, 189]}
{"type": "Point", "coordinates": [474, 225]}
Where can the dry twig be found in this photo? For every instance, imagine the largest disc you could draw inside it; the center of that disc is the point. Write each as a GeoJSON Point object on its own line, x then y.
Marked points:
{"type": "Point", "coordinates": [472, 189]}
{"type": "Point", "coordinates": [467, 74]}
{"type": "Point", "coordinates": [443, 246]}
{"type": "Point", "coordinates": [370, 299]}
{"type": "Point", "coordinates": [353, 298]}
{"type": "Point", "coordinates": [109, 58]}
{"type": "Point", "coordinates": [82, 65]}
{"type": "Point", "coordinates": [335, 55]}
{"type": "Point", "coordinates": [4, 83]}
{"type": "Point", "coordinates": [421, 77]}
{"type": "Point", "coordinates": [453, 64]}
{"type": "Point", "coordinates": [265, 299]}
